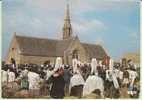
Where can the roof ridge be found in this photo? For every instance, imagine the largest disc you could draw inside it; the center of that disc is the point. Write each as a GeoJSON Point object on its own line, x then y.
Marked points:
{"type": "Point", "coordinates": [42, 38]}
{"type": "Point", "coordinates": [37, 37]}
{"type": "Point", "coordinates": [90, 44]}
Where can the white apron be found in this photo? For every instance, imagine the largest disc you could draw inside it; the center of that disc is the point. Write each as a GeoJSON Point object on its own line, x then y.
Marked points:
{"type": "Point", "coordinates": [93, 82]}
{"type": "Point", "coordinates": [76, 80]}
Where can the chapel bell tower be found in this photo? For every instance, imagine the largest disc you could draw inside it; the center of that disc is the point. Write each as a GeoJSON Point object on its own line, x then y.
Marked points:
{"type": "Point", "coordinates": [67, 28]}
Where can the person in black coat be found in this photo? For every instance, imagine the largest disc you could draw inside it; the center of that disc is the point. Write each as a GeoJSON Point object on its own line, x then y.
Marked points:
{"type": "Point", "coordinates": [58, 84]}
{"type": "Point", "coordinates": [67, 76]}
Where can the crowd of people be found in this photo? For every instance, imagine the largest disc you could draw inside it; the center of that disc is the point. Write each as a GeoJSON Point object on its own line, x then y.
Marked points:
{"type": "Point", "coordinates": [90, 80]}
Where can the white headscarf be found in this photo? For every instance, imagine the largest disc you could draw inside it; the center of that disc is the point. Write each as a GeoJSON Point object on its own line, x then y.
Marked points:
{"type": "Point", "coordinates": [93, 65]}
{"type": "Point", "coordinates": [58, 63]}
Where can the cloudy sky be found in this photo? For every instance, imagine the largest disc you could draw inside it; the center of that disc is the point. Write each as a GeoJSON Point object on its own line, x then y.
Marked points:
{"type": "Point", "coordinates": [112, 23]}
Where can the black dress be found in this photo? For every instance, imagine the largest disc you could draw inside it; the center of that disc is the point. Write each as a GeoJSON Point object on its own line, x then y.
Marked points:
{"type": "Point", "coordinates": [58, 84]}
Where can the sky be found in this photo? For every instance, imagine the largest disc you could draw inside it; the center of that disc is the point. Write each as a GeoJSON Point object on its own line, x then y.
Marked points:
{"type": "Point", "coordinates": [114, 24]}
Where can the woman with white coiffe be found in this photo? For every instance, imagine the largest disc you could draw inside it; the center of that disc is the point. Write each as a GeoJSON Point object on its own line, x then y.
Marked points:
{"type": "Point", "coordinates": [58, 83]}
{"type": "Point", "coordinates": [77, 81]}
{"type": "Point", "coordinates": [57, 66]}
{"type": "Point", "coordinates": [93, 82]}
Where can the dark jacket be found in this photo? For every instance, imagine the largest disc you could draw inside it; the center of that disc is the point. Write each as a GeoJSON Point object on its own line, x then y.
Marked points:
{"type": "Point", "coordinates": [57, 90]}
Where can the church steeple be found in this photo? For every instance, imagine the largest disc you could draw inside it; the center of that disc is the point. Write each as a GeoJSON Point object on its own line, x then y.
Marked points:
{"type": "Point", "coordinates": [67, 29]}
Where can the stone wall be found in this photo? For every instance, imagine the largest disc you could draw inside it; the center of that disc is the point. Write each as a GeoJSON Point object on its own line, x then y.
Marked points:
{"type": "Point", "coordinates": [83, 57]}
{"type": "Point", "coordinates": [36, 59]}
{"type": "Point", "coordinates": [13, 52]}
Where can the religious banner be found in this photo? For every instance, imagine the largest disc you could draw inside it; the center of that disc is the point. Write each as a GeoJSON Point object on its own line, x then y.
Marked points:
{"type": "Point", "coordinates": [93, 66]}
{"type": "Point", "coordinates": [74, 64]}
{"type": "Point", "coordinates": [111, 64]}
{"type": "Point", "coordinates": [106, 60]}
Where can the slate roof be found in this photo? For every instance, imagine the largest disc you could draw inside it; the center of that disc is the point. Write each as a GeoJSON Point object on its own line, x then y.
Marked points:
{"type": "Point", "coordinates": [94, 51]}
{"type": "Point", "coordinates": [32, 46]}
{"type": "Point", "coordinates": [42, 47]}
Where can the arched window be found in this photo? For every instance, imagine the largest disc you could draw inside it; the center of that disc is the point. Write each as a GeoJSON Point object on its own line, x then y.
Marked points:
{"type": "Point", "coordinates": [75, 54]}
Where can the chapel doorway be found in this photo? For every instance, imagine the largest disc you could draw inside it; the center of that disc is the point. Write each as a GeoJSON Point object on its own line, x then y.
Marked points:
{"type": "Point", "coordinates": [75, 54]}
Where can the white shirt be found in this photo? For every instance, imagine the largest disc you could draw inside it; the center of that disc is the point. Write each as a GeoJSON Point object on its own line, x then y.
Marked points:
{"type": "Point", "coordinates": [34, 80]}
{"type": "Point", "coordinates": [132, 75]}
{"type": "Point", "coordinates": [11, 77]}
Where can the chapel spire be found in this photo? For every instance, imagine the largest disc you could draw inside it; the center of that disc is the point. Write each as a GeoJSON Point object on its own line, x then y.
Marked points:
{"type": "Point", "coordinates": [67, 28]}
